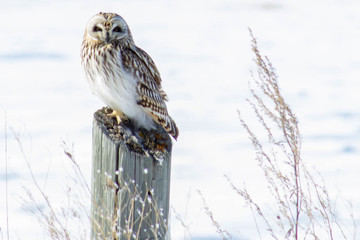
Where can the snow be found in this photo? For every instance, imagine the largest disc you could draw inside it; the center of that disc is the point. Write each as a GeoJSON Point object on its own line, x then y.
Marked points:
{"type": "Point", "coordinates": [202, 49]}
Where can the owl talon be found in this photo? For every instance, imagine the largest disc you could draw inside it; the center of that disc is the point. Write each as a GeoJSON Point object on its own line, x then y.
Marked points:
{"type": "Point", "coordinates": [117, 115]}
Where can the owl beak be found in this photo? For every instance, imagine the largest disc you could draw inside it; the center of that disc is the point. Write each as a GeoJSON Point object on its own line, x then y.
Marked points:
{"type": "Point", "coordinates": [107, 37]}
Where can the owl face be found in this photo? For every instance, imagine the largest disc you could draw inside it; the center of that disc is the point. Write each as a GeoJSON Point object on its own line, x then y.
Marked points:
{"type": "Point", "coordinates": [107, 27]}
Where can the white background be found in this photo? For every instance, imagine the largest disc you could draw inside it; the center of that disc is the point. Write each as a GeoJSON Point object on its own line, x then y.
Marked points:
{"type": "Point", "coordinates": [202, 49]}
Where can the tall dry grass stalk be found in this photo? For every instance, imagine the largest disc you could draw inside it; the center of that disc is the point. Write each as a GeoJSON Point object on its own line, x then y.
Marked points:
{"type": "Point", "coordinates": [223, 234]}
{"type": "Point", "coordinates": [303, 209]}
{"type": "Point", "coordinates": [185, 226]}
{"type": "Point", "coordinates": [69, 221]}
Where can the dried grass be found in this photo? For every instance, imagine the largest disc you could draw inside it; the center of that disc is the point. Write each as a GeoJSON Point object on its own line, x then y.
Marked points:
{"type": "Point", "coordinates": [73, 219]}
{"type": "Point", "coordinates": [303, 209]}
{"type": "Point", "coordinates": [224, 234]}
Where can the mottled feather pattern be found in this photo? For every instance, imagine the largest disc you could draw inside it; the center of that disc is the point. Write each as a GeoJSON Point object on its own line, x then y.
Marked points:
{"type": "Point", "coordinates": [151, 96]}
{"type": "Point", "coordinates": [104, 58]}
{"type": "Point", "coordinates": [123, 75]}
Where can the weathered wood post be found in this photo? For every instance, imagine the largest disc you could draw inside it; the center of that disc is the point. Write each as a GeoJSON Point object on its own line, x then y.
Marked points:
{"type": "Point", "coordinates": [130, 181]}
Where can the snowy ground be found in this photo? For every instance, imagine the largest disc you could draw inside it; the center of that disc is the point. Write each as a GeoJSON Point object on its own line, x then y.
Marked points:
{"type": "Point", "coordinates": [202, 49]}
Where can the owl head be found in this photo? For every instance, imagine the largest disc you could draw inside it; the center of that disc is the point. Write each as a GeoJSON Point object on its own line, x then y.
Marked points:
{"type": "Point", "coordinates": [107, 28]}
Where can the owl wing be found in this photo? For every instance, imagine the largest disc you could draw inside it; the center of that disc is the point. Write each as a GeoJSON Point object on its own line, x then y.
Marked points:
{"type": "Point", "coordinates": [150, 93]}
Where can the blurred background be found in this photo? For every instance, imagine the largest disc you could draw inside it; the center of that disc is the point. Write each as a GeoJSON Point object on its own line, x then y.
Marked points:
{"type": "Point", "coordinates": [203, 51]}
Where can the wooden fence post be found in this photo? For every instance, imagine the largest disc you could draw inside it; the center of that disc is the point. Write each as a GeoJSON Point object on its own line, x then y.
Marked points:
{"type": "Point", "coordinates": [130, 187]}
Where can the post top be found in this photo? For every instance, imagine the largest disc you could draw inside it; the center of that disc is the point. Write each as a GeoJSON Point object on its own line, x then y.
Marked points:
{"type": "Point", "coordinates": [155, 142]}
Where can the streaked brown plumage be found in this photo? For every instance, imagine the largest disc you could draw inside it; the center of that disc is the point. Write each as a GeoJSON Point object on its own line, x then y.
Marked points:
{"type": "Point", "coordinates": [123, 75]}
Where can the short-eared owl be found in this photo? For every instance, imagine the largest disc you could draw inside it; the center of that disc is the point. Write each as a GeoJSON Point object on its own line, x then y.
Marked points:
{"type": "Point", "coordinates": [122, 75]}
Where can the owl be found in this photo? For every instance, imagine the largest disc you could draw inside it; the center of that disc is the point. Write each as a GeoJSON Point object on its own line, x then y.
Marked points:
{"type": "Point", "coordinates": [123, 75]}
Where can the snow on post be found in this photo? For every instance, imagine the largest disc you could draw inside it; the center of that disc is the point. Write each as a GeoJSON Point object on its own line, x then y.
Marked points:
{"type": "Point", "coordinates": [130, 181]}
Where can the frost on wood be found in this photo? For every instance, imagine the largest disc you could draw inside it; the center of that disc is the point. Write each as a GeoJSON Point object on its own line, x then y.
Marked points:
{"type": "Point", "coordinates": [129, 184]}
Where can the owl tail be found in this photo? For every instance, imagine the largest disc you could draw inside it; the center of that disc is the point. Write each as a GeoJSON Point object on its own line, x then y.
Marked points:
{"type": "Point", "coordinates": [166, 122]}
{"type": "Point", "coordinates": [171, 127]}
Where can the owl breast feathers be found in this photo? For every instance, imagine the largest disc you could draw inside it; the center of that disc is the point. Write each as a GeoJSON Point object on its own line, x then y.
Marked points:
{"type": "Point", "coordinates": [122, 75]}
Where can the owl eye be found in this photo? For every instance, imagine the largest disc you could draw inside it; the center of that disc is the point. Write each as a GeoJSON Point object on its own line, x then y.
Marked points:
{"type": "Point", "coordinates": [97, 29]}
{"type": "Point", "coordinates": [117, 29]}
